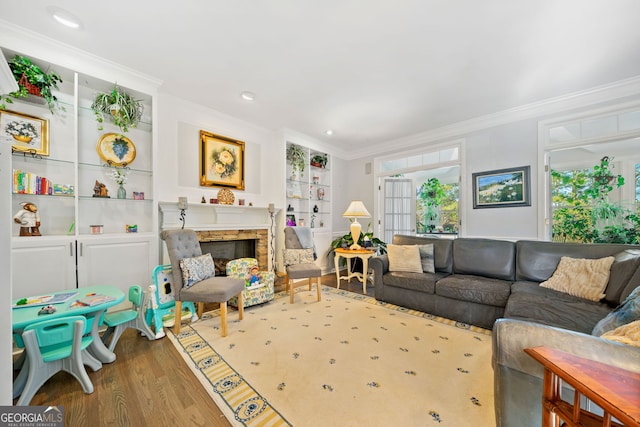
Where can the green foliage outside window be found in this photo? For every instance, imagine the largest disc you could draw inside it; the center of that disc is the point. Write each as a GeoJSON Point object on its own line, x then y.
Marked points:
{"type": "Point", "coordinates": [582, 211]}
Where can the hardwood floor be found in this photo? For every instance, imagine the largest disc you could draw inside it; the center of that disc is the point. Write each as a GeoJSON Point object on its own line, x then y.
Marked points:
{"type": "Point", "coordinates": [148, 385]}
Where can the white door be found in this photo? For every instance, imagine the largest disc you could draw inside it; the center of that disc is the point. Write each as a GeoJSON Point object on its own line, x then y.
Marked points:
{"type": "Point", "coordinates": [43, 265]}
{"type": "Point", "coordinates": [398, 214]}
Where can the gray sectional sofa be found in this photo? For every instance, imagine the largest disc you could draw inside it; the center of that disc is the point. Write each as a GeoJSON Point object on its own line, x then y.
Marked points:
{"type": "Point", "coordinates": [494, 284]}
{"type": "Point", "coordinates": [478, 281]}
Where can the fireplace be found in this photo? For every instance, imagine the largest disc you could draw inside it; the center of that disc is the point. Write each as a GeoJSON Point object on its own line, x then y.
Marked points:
{"type": "Point", "coordinates": [225, 231]}
{"type": "Point", "coordinates": [231, 244]}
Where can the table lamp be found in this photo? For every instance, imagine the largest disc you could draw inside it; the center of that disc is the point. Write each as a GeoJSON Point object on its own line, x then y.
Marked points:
{"type": "Point", "coordinates": [356, 210]}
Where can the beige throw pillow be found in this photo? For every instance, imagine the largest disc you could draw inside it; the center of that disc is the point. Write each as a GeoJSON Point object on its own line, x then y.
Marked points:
{"type": "Point", "coordinates": [404, 258]}
{"type": "Point", "coordinates": [584, 278]}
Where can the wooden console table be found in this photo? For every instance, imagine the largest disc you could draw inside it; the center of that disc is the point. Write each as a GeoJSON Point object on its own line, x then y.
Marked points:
{"type": "Point", "coordinates": [615, 390]}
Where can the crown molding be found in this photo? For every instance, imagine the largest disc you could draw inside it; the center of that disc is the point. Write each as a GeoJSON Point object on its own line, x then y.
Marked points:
{"type": "Point", "coordinates": [589, 97]}
{"type": "Point", "coordinates": [20, 39]}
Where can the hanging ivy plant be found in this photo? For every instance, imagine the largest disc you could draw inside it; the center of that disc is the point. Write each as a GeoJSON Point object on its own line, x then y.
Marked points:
{"type": "Point", "coordinates": [121, 108]}
{"type": "Point", "coordinates": [32, 80]}
{"type": "Point", "coordinates": [296, 157]}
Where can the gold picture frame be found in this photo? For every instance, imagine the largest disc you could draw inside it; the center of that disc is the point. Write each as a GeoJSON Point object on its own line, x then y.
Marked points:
{"type": "Point", "coordinates": [116, 149]}
{"type": "Point", "coordinates": [221, 161]}
{"type": "Point", "coordinates": [27, 133]}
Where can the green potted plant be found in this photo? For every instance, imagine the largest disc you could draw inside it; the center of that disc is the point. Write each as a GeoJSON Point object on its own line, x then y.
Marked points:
{"type": "Point", "coordinates": [319, 160]}
{"type": "Point", "coordinates": [347, 240]}
{"type": "Point", "coordinates": [32, 80]}
{"type": "Point", "coordinates": [296, 158]}
{"type": "Point", "coordinates": [119, 106]}
{"type": "Point", "coordinates": [431, 195]}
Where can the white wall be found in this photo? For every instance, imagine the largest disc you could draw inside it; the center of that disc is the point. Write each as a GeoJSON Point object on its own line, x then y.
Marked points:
{"type": "Point", "coordinates": [506, 146]}
{"type": "Point", "coordinates": [177, 168]}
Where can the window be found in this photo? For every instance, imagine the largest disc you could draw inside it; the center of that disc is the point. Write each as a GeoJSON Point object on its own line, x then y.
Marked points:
{"type": "Point", "coordinates": [419, 192]}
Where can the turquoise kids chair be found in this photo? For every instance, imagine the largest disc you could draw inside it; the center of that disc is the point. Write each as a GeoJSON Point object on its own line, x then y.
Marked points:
{"type": "Point", "coordinates": [118, 321]}
{"type": "Point", "coordinates": [161, 311]}
{"type": "Point", "coordinates": [52, 346]}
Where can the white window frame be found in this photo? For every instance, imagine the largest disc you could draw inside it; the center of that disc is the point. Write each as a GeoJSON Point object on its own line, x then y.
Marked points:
{"type": "Point", "coordinates": [424, 149]}
{"type": "Point", "coordinates": [546, 146]}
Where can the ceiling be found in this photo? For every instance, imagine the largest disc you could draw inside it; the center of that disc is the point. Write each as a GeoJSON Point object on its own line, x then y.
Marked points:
{"type": "Point", "coordinates": [373, 71]}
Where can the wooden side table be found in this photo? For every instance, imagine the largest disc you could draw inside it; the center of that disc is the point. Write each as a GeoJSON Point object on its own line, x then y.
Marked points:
{"type": "Point", "coordinates": [363, 254]}
{"type": "Point", "coordinates": [615, 390]}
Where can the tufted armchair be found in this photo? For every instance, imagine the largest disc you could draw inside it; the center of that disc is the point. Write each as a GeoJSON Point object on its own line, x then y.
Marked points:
{"type": "Point", "coordinates": [184, 245]}
{"type": "Point", "coordinates": [240, 268]}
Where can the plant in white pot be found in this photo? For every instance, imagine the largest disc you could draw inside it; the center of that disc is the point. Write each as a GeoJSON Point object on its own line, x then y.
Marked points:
{"type": "Point", "coordinates": [119, 106]}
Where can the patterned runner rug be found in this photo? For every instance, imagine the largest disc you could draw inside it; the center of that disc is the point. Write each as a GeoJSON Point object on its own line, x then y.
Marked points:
{"type": "Point", "coordinates": [348, 360]}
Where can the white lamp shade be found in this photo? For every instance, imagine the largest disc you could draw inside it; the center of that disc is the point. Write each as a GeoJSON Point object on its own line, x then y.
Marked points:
{"type": "Point", "coordinates": [356, 210]}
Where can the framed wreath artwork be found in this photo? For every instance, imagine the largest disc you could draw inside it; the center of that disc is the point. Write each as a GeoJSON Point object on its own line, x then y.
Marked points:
{"type": "Point", "coordinates": [221, 161]}
{"type": "Point", "coordinates": [27, 133]}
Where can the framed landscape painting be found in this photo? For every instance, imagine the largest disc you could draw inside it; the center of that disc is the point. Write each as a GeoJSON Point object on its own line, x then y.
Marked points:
{"type": "Point", "coordinates": [501, 188]}
{"type": "Point", "coordinates": [221, 161]}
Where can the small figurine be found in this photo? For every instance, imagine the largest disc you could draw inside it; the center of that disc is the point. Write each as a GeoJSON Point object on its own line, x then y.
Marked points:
{"type": "Point", "coordinates": [49, 309]}
{"type": "Point", "coordinates": [29, 219]}
{"type": "Point", "coordinates": [100, 190]}
{"type": "Point", "coordinates": [253, 278]}
{"type": "Point", "coordinates": [203, 200]}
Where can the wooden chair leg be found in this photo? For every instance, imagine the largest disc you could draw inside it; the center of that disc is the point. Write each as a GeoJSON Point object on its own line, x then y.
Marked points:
{"type": "Point", "coordinates": [241, 305]}
{"type": "Point", "coordinates": [318, 288]}
{"type": "Point", "coordinates": [200, 309]}
{"type": "Point", "coordinates": [178, 317]}
{"type": "Point", "coordinates": [290, 291]}
{"type": "Point", "coordinates": [309, 280]}
{"type": "Point", "coordinates": [223, 318]}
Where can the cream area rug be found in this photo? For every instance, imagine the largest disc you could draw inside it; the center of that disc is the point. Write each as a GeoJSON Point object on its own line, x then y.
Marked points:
{"type": "Point", "coordinates": [347, 360]}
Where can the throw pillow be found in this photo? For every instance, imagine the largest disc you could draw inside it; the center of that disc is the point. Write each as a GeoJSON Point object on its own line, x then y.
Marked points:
{"type": "Point", "coordinates": [298, 256]}
{"type": "Point", "coordinates": [580, 277]}
{"type": "Point", "coordinates": [404, 258]}
{"type": "Point", "coordinates": [197, 269]}
{"type": "Point", "coordinates": [626, 334]}
{"type": "Point", "coordinates": [426, 258]}
{"type": "Point", "coordinates": [626, 312]}
{"type": "Point", "coordinates": [625, 264]}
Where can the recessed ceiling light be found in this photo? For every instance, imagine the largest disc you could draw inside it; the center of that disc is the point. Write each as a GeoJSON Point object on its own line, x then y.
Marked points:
{"type": "Point", "coordinates": [248, 96]}
{"type": "Point", "coordinates": [63, 17]}
{"type": "Point", "coordinates": [328, 132]}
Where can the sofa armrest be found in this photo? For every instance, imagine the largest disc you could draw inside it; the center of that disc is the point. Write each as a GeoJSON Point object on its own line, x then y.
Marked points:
{"type": "Point", "coordinates": [511, 337]}
{"type": "Point", "coordinates": [518, 377]}
{"type": "Point", "coordinates": [379, 265]}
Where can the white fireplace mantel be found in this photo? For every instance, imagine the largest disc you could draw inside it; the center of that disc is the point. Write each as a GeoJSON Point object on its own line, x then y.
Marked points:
{"type": "Point", "coordinates": [203, 216]}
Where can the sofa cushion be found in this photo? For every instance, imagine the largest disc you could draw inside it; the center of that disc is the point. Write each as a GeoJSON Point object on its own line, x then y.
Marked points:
{"type": "Point", "coordinates": [442, 249]}
{"type": "Point", "coordinates": [426, 258]}
{"type": "Point", "coordinates": [404, 258]}
{"type": "Point", "coordinates": [537, 260]}
{"type": "Point", "coordinates": [626, 263]}
{"type": "Point", "coordinates": [627, 312]}
{"type": "Point", "coordinates": [485, 257]}
{"type": "Point", "coordinates": [529, 301]}
{"type": "Point", "coordinates": [476, 289]}
{"type": "Point", "coordinates": [580, 277]}
{"type": "Point", "coordinates": [423, 282]}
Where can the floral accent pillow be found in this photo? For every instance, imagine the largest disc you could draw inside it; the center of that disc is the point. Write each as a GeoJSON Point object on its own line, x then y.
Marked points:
{"type": "Point", "coordinates": [298, 256]}
{"type": "Point", "coordinates": [197, 269]}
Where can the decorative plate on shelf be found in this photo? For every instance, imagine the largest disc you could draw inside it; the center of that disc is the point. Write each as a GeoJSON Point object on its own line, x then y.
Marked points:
{"type": "Point", "coordinates": [116, 149]}
{"type": "Point", "coordinates": [226, 197]}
